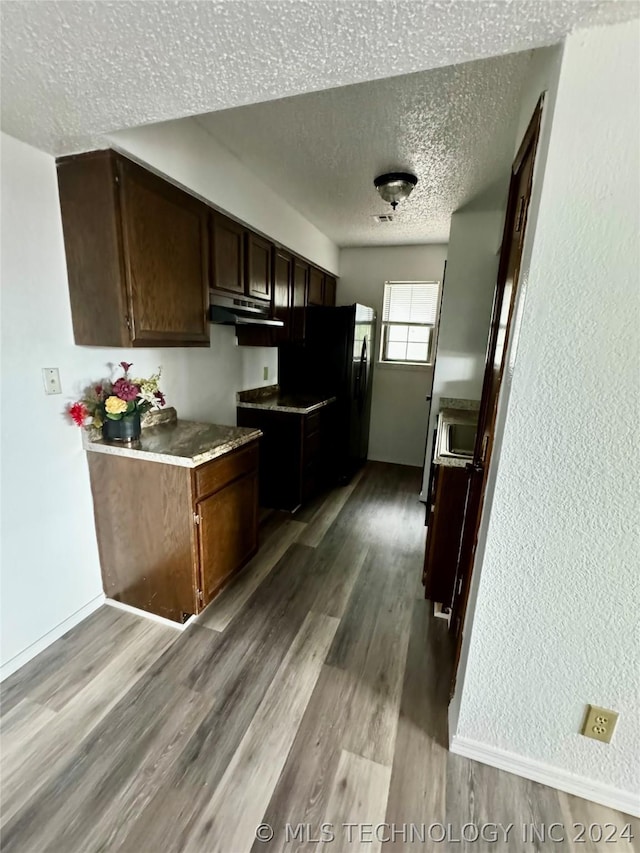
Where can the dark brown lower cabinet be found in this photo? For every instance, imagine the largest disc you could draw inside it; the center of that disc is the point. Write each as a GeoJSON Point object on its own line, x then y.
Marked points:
{"type": "Point", "coordinates": [445, 515]}
{"type": "Point", "coordinates": [227, 520]}
{"type": "Point", "coordinates": [297, 454]}
{"type": "Point", "coordinates": [171, 537]}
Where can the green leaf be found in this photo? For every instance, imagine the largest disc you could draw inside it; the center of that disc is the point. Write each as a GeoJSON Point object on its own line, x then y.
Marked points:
{"type": "Point", "coordinates": [114, 417]}
{"type": "Point", "coordinates": [131, 406]}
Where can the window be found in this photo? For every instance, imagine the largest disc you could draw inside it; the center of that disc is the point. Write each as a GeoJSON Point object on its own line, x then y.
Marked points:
{"type": "Point", "coordinates": [409, 315]}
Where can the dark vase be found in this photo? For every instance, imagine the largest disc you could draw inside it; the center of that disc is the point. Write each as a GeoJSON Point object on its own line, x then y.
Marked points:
{"type": "Point", "coordinates": [126, 429]}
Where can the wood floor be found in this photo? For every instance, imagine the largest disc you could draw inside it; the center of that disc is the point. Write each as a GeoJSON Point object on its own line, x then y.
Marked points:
{"type": "Point", "coordinates": [312, 692]}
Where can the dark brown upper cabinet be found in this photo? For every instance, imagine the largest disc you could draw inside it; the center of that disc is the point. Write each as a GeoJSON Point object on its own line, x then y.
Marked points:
{"type": "Point", "coordinates": [316, 287]}
{"type": "Point", "coordinates": [258, 266]}
{"type": "Point", "coordinates": [322, 288]}
{"type": "Point", "coordinates": [283, 293]}
{"type": "Point", "coordinates": [330, 287]}
{"type": "Point", "coordinates": [227, 254]}
{"type": "Point", "coordinates": [137, 254]}
{"type": "Point", "coordinates": [299, 301]}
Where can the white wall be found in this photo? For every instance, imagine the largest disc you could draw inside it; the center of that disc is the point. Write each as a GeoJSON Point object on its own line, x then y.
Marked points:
{"type": "Point", "coordinates": [50, 567]}
{"type": "Point", "coordinates": [472, 267]}
{"type": "Point", "coordinates": [555, 622]}
{"type": "Point", "coordinates": [185, 152]}
{"type": "Point", "coordinates": [399, 409]}
{"type": "Point", "coordinates": [543, 79]}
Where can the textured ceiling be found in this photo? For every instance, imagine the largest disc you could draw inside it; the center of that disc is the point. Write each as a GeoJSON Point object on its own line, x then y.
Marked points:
{"type": "Point", "coordinates": [76, 69]}
{"type": "Point", "coordinates": [453, 127]}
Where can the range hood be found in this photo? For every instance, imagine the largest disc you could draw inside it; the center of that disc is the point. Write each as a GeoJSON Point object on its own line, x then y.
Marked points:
{"type": "Point", "coordinates": [239, 311]}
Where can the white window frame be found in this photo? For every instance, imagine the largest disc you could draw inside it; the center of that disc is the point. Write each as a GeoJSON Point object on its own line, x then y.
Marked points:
{"type": "Point", "coordinates": [433, 338]}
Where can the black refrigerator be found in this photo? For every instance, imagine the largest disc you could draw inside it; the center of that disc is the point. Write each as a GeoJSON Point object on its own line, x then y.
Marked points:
{"type": "Point", "coordinates": [337, 360]}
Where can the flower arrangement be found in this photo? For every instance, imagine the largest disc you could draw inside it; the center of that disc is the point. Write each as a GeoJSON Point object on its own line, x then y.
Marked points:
{"type": "Point", "coordinates": [113, 401]}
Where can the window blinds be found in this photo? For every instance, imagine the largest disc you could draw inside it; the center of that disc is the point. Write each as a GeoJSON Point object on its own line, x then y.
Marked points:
{"type": "Point", "coordinates": [410, 302]}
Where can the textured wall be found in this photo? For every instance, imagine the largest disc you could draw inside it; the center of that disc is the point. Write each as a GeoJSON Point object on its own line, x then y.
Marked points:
{"type": "Point", "coordinates": [399, 410]}
{"type": "Point", "coordinates": [472, 266]}
{"type": "Point", "coordinates": [453, 127]}
{"type": "Point", "coordinates": [556, 616]}
{"type": "Point", "coordinates": [187, 154]}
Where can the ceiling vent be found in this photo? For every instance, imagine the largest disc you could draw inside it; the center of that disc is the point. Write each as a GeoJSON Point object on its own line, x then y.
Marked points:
{"type": "Point", "coordinates": [384, 217]}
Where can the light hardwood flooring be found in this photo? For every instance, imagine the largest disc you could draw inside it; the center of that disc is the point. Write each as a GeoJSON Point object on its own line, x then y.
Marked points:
{"type": "Point", "coordinates": [312, 693]}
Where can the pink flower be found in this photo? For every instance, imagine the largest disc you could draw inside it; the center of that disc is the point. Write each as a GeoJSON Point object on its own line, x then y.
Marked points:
{"type": "Point", "coordinates": [159, 397]}
{"type": "Point", "coordinates": [125, 365]}
{"type": "Point", "coordinates": [78, 413]}
{"type": "Point", "coordinates": [125, 390]}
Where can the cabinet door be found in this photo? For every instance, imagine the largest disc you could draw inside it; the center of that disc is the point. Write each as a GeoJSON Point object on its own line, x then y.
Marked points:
{"type": "Point", "coordinates": [258, 267]}
{"type": "Point", "coordinates": [444, 532]}
{"type": "Point", "coordinates": [329, 290]}
{"type": "Point", "coordinates": [228, 532]}
{"type": "Point", "coordinates": [430, 524]}
{"type": "Point", "coordinates": [280, 456]}
{"type": "Point", "coordinates": [300, 297]}
{"type": "Point", "coordinates": [316, 287]}
{"type": "Point", "coordinates": [311, 458]}
{"type": "Point", "coordinates": [227, 254]}
{"type": "Point", "coordinates": [282, 292]}
{"type": "Point", "coordinates": [165, 257]}
{"type": "Point", "coordinates": [93, 245]}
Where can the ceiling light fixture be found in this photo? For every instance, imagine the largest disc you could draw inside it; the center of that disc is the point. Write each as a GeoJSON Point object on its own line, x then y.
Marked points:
{"type": "Point", "coordinates": [395, 186]}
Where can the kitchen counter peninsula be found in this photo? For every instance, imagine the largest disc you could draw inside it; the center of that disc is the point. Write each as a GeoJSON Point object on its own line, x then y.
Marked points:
{"type": "Point", "coordinates": [273, 398]}
{"type": "Point", "coordinates": [176, 513]}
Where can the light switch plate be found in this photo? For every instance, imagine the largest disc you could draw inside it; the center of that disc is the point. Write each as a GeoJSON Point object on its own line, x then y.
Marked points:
{"type": "Point", "coordinates": [599, 723]}
{"type": "Point", "coordinates": [51, 379]}
{"type": "Point", "coordinates": [265, 372]}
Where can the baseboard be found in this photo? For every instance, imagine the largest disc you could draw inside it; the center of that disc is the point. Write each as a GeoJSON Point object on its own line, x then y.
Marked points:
{"type": "Point", "coordinates": [403, 462]}
{"type": "Point", "coordinates": [179, 626]}
{"type": "Point", "coordinates": [547, 774]}
{"type": "Point", "coordinates": [50, 637]}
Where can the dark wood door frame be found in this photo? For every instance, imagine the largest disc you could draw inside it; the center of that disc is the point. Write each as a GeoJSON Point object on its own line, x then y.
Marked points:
{"type": "Point", "coordinates": [497, 350]}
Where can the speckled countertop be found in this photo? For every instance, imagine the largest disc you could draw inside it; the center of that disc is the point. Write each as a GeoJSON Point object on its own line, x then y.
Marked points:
{"type": "Point", "coordinates": [274, 399]}
{"type": "Point", "coordinates": [452, 414]}
{"type": "Point", "coordinates": [459, 403]}
{"type": "Point", "coordinates": [184, 443]}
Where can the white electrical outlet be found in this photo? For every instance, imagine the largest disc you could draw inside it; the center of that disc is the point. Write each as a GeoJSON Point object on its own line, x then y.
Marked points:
{"type": "Point", "coordinates": [51, 379]}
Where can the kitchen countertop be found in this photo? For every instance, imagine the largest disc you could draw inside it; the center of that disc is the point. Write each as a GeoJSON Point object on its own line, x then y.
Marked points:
{"type": "Point", "coordinates": [274, 399]}
{"type": "Point", "coordinates": [456, 415]}
{"type": "Point", "coordinates": [184, 443]}
{"type": "Point", "coordinates": [459, 403]}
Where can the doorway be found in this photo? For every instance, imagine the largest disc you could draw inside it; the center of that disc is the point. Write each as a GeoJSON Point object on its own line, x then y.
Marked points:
{"type": "Point", "coordinates": [503, 310]}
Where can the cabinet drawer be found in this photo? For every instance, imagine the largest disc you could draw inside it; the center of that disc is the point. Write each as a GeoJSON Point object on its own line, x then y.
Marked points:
{"type": "Point", "coordinates": [312, 447]}
{"type": "Point", "coordinates": [312, 422]}
{"type": "Point", "coordinates": [212, 476]}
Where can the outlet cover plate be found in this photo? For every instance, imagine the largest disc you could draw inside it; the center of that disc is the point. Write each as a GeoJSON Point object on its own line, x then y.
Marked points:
{"type": "Point", "coordinates": [51, 380]}
{"type": "Point", "coordinates": [599, 723]}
